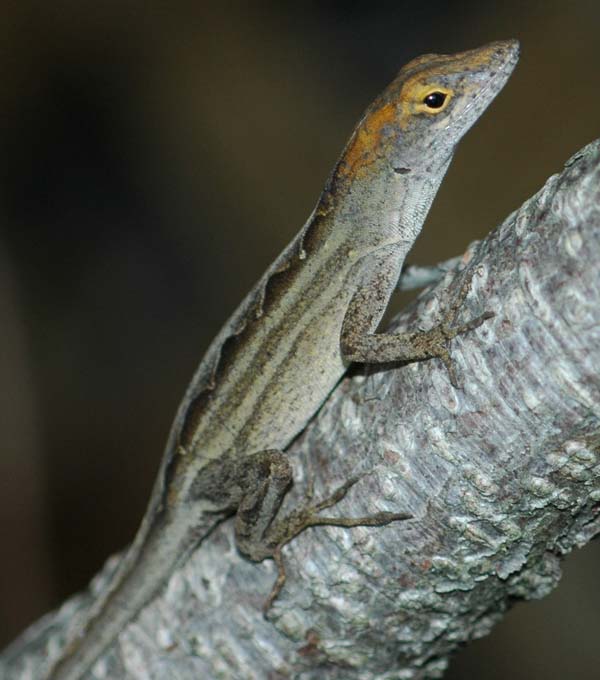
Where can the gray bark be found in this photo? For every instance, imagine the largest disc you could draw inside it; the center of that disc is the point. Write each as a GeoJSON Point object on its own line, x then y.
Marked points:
{"type": "Point", "coordinates": [502, 478]}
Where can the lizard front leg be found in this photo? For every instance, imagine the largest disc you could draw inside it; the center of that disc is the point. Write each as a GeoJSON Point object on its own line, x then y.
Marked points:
{"type": "Point", "coordinates": [359, 343]}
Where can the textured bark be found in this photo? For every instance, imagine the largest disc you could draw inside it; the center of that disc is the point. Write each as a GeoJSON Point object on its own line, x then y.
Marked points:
{"type": "Point", "coordinates": [502, 478]}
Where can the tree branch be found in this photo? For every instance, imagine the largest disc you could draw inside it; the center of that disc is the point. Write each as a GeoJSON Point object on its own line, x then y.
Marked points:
{"type": "Point", "coordinates": [502, 479]}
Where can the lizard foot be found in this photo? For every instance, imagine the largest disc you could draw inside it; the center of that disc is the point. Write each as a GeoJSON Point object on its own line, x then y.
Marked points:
{"type": "Point", "coordinates": [434, 342]}
{"type": "Point", "coordinates": [298, 520]}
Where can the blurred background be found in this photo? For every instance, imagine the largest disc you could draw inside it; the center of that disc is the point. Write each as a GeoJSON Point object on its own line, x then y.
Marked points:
{"type": "Point", "coordinates": [154, 161]}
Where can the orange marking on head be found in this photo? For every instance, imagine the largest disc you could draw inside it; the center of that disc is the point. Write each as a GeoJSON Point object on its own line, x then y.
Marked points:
{"type": "Point", "coordinates": [393, 110]}
{"type": "Point", "coordinates": [365, 145]}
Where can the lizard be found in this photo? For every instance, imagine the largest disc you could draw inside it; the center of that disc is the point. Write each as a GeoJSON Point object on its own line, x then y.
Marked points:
{"type": "Point", "coordinates": [314, 311]}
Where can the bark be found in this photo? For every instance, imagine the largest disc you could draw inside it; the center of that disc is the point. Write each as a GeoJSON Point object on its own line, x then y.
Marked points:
{"type": "Point", "coordinates": [502, 478]}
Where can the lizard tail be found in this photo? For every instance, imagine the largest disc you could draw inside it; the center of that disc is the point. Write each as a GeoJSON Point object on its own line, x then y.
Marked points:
{"type": "Point", "coordinates": [160, 544]}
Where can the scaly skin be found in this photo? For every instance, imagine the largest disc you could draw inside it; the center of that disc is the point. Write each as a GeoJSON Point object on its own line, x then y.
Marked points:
{"type": "Point", "coordinates": [280, 354]}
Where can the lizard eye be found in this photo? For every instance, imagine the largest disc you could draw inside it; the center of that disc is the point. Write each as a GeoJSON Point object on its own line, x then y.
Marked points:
{"type": "Point", "coordinates": [434, 100]}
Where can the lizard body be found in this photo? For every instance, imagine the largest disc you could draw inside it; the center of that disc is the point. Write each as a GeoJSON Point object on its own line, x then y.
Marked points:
{"type": "Point", "coordinates": [283, 350]}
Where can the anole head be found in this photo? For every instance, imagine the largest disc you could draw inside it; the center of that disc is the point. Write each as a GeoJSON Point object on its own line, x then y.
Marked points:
{"type": "Point", "coordinates": [417, 121]}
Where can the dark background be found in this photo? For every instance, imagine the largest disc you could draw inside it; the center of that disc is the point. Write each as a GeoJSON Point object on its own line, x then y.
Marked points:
{"type": "Point", "coordinates": [154, 160]}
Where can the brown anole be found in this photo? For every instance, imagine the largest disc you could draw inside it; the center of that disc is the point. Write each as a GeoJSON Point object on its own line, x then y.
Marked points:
{"type": "Point", "coordinates": [314, 311]}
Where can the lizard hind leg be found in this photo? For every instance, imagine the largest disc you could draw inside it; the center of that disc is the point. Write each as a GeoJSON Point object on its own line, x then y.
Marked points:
{"type": "Point", "coordinates": [260, 536]}
{"type": "Point", "coordinates": [265, 478]}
